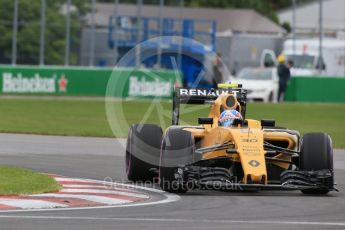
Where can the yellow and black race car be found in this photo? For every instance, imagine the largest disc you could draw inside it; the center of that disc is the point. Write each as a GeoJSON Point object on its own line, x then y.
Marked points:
{"type": "Point", "coordinates": [248, 155]}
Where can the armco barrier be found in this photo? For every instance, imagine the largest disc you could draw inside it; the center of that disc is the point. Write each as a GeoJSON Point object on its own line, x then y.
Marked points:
{"type": "Point", "coordinates": [86, 81]}
{"type": "Point", "coordinates": [316, 89]}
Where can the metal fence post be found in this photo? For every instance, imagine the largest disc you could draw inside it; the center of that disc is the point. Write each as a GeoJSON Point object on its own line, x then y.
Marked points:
{"type": "Point", "coordinates": [294, 27]}
{"type": "Point", "coordinates": [92, 42]}
{"type": "Point", "coordinates": [180, 47]}
{"type": "Point", "coordinates": [320, 36]}
{"type": "Point", "coordinates": [68, 32]}
{"type": "Point", "coordinates": [42, 37]}
{"type": "Point", "coordinates": [139, 32]}
{"type": "Point", "coordinates": [116, 5]}
{"type": "Point", "coordinates": [14, 33]}
{"type": "Point", "coordinates": [159, 50]}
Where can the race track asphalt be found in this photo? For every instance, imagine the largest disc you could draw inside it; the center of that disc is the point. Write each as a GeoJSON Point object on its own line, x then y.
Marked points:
{"type": "Point", "coordinates": [97, 158]}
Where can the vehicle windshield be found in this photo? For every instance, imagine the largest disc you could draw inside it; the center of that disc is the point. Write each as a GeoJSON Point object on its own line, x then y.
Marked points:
{"type": "Point", "coordinates": [302, 61]}
{"type": "Point", "coordinates": [255, 74]}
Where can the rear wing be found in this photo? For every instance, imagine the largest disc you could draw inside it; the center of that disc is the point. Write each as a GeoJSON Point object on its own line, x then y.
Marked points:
{"type": "Point", "coordinates": [206, 96]}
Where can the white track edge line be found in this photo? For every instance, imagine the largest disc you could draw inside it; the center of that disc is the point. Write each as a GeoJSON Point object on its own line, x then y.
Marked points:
{"type": "Point", "coordinates": [224, 221]}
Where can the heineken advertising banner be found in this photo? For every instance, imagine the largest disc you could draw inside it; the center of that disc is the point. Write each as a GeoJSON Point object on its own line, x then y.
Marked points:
{"type": "Point", "coordinates": [86, 81]}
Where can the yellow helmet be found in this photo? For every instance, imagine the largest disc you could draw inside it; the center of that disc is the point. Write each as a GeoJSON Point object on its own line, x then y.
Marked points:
{"type": "Point", "coordinates": [281, 58]}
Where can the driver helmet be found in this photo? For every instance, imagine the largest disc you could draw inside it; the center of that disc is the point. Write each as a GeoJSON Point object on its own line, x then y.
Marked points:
{"type": "Point", "coordinates": [227, 117]}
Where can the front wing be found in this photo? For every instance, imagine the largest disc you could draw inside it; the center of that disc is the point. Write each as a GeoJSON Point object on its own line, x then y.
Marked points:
{"type": "Point", "coordinates": [221, 178]}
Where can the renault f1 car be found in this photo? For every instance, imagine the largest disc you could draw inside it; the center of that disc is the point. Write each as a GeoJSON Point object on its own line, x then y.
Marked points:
{"type": "Point", "coordinates": [249, 155]}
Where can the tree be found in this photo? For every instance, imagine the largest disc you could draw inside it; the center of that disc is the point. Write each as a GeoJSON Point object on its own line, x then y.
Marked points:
{"type": "Point", "coordinates": [286, 26]}
{"type": "Point", "coordinates": [29, 31]}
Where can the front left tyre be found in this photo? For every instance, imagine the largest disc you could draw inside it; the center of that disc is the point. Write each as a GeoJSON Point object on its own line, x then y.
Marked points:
{"type": "Point", "coordinates": [177, 149]}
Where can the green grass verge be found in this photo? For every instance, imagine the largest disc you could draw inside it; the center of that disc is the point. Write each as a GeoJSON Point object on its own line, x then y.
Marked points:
{"type": "Point", "coordinates": [88, 118]}
{"type": "Point", "coordinates": [19, 181]}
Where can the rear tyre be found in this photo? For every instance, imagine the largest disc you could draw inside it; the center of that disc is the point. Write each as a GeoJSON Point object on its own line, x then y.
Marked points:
{"type": "Point", "coordinates": [177, 149]}
{"type": "Point", "coordinates": [317, 154]}
{"type": "Point", "coordinates": [142, 151]}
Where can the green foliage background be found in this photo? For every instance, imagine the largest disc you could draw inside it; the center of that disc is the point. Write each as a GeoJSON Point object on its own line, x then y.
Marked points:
{"type": "Point", "coordinates": [29, 31]}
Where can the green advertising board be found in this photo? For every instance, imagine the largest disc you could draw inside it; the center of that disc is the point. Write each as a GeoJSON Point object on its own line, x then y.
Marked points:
{"type": "Point", "coordinates": [138, 83]}
{"type": "Point", "coordinates": [316, 89]}
{"type": "Point", "coordinates": [86, 81]}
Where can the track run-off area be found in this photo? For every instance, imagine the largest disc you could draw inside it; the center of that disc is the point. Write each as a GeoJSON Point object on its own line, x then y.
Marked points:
{"type": "Point", "coordinates": [99, 158]}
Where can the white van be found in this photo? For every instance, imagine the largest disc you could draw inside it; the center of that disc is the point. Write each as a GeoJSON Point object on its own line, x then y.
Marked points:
{"type": "Point", "coordinates": [307, 58]}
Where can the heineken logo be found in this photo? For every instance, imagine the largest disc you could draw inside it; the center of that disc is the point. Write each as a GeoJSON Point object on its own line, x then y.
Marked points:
{"type": "Point", "coordinates": [143, 87]}
{"type": "Point", "coordinates": [17, 83]}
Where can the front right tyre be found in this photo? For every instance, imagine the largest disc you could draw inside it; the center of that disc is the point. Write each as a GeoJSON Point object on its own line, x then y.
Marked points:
{"type": "Point", "coordinates": [317, 154]}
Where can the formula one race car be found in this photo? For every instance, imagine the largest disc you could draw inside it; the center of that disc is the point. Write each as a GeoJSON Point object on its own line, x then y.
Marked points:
{"type": "Point", "coordinates": [248, 155]}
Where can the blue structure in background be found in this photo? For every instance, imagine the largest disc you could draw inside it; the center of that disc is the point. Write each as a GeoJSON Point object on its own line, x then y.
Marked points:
{"type": "Point", "coordinates": [125, 32]}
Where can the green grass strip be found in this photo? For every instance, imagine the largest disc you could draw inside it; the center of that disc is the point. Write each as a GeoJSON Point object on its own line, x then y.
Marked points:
{"type": "Point", "coordinates": [19, 181]}
{"type": "Point", "coordinates": [88, 118]}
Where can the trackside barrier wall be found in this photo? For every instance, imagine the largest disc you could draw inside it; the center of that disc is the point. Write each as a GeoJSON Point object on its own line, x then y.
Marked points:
{"type": "Point", "coordinates": [86, 81]}
{"type": "Point", "coordinates": [316, 89]}
{"type": "Point", "coordinates": [139, 83]}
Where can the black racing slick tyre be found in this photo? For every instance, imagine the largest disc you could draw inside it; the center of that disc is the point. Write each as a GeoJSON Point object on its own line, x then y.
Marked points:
{"type": "Point", "coordinates": [177, 149]}
{"type": "Point", "coordinates": [142, 151]}
{"type": "Point", "coordinates": [317, 154]}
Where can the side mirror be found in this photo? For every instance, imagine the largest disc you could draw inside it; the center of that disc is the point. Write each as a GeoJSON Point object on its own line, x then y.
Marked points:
{"type": "Point", "coordinates": [205, 121]}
